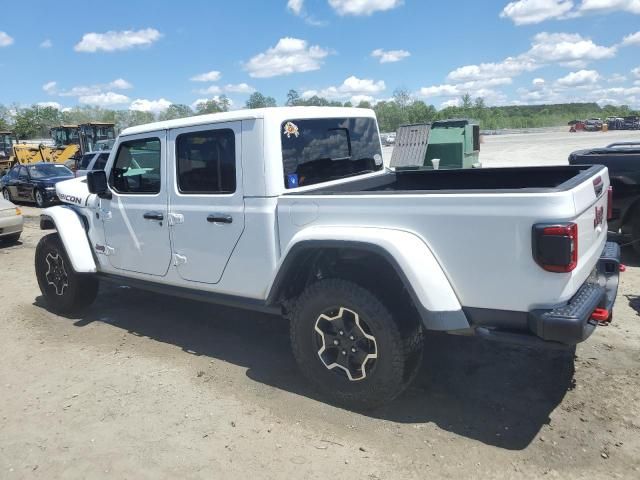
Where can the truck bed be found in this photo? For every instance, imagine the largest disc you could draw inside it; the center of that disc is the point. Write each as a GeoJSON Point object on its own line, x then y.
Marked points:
{"type": "Point", "coordinates": [482, 180]}
{"type": "Point", "coordinates": [478, 223]}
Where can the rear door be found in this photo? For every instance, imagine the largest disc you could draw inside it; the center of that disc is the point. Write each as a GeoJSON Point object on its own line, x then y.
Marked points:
{"type": "Point", "coordinates": [206, 199]}
{"type": "Point", "coordinates": [135, 218]}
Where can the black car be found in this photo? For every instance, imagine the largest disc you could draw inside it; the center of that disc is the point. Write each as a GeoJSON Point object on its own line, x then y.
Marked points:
{"type": "Point", "coordinates": [623, 161]}
{"type": "Point", "coordinates": [34, 183]}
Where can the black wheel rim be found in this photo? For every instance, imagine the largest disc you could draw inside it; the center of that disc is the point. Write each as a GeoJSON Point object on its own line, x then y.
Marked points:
{"type": "Point", "coordinates": [346, 345]}
{"type": "Point", "coordinates": [39, 201]}
{"type": "Point", "coordinates": [56, 275]}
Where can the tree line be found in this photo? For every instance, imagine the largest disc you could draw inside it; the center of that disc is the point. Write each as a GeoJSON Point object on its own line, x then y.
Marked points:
{"type": "Point", "coordinates": [401, 109]}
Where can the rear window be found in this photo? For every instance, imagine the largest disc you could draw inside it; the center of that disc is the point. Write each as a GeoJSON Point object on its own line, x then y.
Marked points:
{"type": "Point", "coordinates": [320, 150]}
{"type": "Point", "coordinates": [86, 160]}
{"type": "Point", "coordinates": [101, 161]}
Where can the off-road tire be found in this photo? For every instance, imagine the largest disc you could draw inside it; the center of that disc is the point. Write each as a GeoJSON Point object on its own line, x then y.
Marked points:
{"type": "Point", "coordinates": [399, 354]}
{"type": "Point", "coordinates": [11, 239]}
{"type": "Point", "coordinates": [6, 194]}
{"type": "Point", "coordinates": [42, 203]}
{"type": "Point", "coordinates": [81, 289]}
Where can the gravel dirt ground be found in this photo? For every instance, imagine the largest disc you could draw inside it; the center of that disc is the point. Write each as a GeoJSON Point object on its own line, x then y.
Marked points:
{"type": "Point", "coordinates": [145, 386]}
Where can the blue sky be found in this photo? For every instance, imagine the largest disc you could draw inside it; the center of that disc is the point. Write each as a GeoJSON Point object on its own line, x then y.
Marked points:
{"type": "Point", "coordinates": [146, 55]}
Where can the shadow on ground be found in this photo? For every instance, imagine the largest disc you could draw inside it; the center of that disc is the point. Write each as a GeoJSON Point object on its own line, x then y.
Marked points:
{"type": "Point", "coordinates": [496, 394]}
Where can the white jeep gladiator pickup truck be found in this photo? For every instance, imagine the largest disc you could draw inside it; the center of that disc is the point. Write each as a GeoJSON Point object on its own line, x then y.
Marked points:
{"type": "Point", "coordinates": [291, 211]}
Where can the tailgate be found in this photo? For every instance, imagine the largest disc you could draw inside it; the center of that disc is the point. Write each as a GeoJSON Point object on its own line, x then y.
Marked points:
{"type": "Point", "coordinates": [591, 202]}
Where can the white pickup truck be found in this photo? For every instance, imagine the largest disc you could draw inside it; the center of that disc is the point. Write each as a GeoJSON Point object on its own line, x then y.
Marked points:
{"type": "Point", "coordinates": [291, 211]}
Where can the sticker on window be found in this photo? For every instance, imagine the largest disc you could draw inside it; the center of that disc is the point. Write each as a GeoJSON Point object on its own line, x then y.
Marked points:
{"type": "Point", "coordinates": [291, 128]}
{"type": "Point", "coordinates": [292, 180]}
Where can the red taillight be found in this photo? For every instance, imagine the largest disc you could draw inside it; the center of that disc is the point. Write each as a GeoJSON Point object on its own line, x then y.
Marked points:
{"type": "Point", "coordinates": [610, 203]}
{"type": "Point", "coordinates": [555, 247]}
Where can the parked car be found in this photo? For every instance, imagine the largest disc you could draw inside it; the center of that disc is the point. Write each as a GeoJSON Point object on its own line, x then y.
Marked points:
{"type": "Point", "coordinates": [623, 162]}
{"type": "Point", "coordinates": [389, 139]}
{"type": "Point", "coordinates": [34, 183]}
{"type": "Point", "coordinates": [593, 125]}
{"type": "Point", "coordinates": [632, 123]}
{"type": "Point", "coordinates": [92, 161]}
{"type": "Point", "coordinates": [291, 211]}
{"type": "Point", "coordinates": [11, 222]}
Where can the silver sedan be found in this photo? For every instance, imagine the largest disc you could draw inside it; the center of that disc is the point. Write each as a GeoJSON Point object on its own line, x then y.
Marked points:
{"type": "Point", "coordinates": [11, 221]}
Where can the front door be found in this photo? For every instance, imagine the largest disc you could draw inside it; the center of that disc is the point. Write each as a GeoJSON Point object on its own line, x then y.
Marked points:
{"type": "Point", "coordinates": [135, 219]}
{"type": "Point", "coordinates": [24, 190]}
{"type": "Point", "coordinates": [206, 203]}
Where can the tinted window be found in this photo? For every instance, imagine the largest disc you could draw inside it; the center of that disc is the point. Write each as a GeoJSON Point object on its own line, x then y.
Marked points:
{"type": "Point", "coordinates": [101, 162]}
{"type": "Point", "coordinates": [137, 167]}
{"type": "Point", "coordinates": [13, 174]}
{"type": "Point", "coordinates": [86, 160]}
{"type": "Point", "coordinates": [24, 175]}
{"type": "Point", "coordinates": [49, 171]}
{"type": "Point", "coordinates": [206, 162]}
{"type": "Point", "coordinates": [319, 150]}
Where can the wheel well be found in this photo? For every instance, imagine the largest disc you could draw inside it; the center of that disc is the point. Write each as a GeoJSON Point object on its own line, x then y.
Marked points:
{"type": "Point", "coordinates": [369, 268]}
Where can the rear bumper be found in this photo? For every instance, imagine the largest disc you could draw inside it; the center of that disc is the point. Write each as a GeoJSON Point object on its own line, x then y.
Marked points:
{"type": "Point", "coordinates": [572, 323]}
{"type": "Point", "coordinates": [567, 324]}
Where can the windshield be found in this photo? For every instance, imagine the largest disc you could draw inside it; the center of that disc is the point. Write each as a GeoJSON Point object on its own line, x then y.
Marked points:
{"type": "Point", "coordinates": [320, 150]}
{"type": "Point", "coordinates": [46, 171]}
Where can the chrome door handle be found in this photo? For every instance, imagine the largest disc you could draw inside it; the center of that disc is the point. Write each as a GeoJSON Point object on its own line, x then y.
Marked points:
{"type": "Point", "coordinates": [158, 216]}
{"type": "Point", "coordinates": [219, 218]}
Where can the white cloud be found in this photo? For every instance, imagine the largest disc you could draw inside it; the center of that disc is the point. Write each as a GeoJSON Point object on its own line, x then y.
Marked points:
{"type": "Point", "coordinates": [87, 90]}
{"type": "Point", "coordinates": [104, 99]}
{"type": "Point", "coordinates": [50, 87]}
{"type": "Point", "coordinates": [154, 106]}
{"type": "Point", "coordinates": [454, 102]}
{"type": "Point", "coordinates": [120, 84]}
{"type": "Point", "coordinates": [290, 55]}
{"type": "Point", "coordinates": [597, 6]}
{"type": "Point", "coordinates": [356, 99]}
{"type": "Point", "coordinates": [363, 7]}
{"type": "Point", "coordinates": [578, 79]}
{"type": "Point", "coordinates": [5, 39]}
{"type": "Point", "coordinates": [46, 44]}
{"type": "Point", "coordinates": [633, 39]}
{"type": "Point", "coordinates": [212, 76]}
{"type": "Point", "coordinates": [55, 105]}
{"type": "Point", "coordinates": [524, 12]}
{"type": "Point", "coordinates": [239, 88]}
{"type": "Point", "coordinates": [351, 87]}
{"type": "Point", "coordinates": [112, 40]}
{"type": "Point", "coordinates": [211, 90]}
{"type": "Point", "coordinates": [538, 82]}
{"type": "Point", "coordinates": [390, 56]}
{"type": "Point", "coordinates": [617, 78]}
{"type": "Point", "coordinates": [636, 72]}
{"type": "Point", "coordinates": [567, 49]}
{"type": "Point", "coordinates": [295, 6]}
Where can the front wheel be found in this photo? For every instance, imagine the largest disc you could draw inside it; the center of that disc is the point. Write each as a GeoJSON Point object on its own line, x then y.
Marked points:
{"type": "Point", "coordinates": [39, 198]}
{"type": "Point", "coordinates": [348, 344]}
{"type": "Point", "coordinates": [64, 290]}
{"type": "Point", "coordinates": [6, 194]}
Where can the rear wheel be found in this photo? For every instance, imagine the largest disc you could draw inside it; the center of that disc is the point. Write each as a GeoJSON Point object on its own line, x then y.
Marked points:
{"type": "Point", "coordinates": [349, 346]}
{"type": "Point", "coordinates": [64, 290]}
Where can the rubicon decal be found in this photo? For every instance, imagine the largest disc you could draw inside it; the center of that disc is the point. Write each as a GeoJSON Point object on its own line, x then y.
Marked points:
{"type": "Point", "coordinates": [70, 198]}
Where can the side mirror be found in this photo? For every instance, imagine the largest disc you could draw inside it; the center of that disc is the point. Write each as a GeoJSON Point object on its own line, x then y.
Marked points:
{"type": "Point", "coordinates": [97, 183]}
